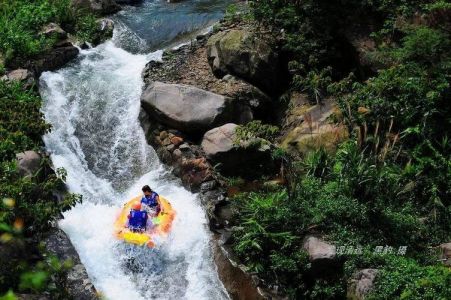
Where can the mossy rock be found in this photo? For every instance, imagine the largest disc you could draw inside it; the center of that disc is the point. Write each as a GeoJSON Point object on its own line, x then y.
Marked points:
{"type": "Point", "coordinates": [302, 141]}
{"type": "Point", "coordinates": [246, 55]}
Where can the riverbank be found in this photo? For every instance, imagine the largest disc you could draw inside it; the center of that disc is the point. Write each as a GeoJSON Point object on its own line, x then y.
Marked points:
{"type": "Point", "coordinates": [188, 65]}
{"type": "Point", "coordinates": [289, 215]}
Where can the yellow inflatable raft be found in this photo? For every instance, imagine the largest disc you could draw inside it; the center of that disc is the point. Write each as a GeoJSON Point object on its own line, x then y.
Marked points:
{"type": "Point", "coordinates": [162, 224]}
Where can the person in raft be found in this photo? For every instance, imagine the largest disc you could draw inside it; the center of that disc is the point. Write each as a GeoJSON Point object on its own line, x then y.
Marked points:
{"type": "Point", "coordinates": [137, 219]}
{"type": "Point", "coordinates": [150, 202]}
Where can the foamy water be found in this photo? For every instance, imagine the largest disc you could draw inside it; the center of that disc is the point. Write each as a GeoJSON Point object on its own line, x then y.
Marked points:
{"type": "Point", "coordinates": [93, 106]}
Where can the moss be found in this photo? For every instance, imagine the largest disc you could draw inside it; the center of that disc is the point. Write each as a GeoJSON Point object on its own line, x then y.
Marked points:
{"type": "Point", "coordinates": [233, 40]}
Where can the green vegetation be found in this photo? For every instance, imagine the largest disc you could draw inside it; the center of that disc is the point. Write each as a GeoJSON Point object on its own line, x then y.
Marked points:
{"type": "Point", "coordinates": [27, 205]}
{"type": "Point", "coordinates": [390, 183]}
{"type": "Point", "coordinates": [256, 130]}
{"type": "Point", "coordinates": [22, 20]}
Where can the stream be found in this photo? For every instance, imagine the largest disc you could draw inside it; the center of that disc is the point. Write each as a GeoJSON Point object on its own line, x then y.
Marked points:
{"type": "Point", "coordinates": [93, 106]}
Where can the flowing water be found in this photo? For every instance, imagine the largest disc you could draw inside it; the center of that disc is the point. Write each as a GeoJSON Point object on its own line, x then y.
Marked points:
{"type": "Point", "coordinates": [93, 106]}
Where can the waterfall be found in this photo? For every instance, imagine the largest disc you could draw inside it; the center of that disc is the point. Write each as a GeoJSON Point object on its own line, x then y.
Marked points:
{"type": "Point", "coordinates": [93, 105]}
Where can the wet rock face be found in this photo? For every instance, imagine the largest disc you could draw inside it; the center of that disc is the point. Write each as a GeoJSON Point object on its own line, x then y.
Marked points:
{"type": "Point", "coordinates": [242, 53]}
{"type": "Point", "coordinates": [101, 7]}
{"type": "Point", "coordinates": [237, 281]}
{"type": "Point", "coordinates": [28, 163]}
{"type": "Point", "coordinates": [186, 108]}
{"type": "Point", "coordinates": [54, 58]}
{"type": "Point", "coordinates": [78, 284]}
{"type": "Point", "coordinates": [361, 284]}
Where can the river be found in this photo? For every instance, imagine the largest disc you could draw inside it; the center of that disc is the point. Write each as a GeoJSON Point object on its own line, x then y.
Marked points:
{"type": "Point", "coordinates": [93, 105]}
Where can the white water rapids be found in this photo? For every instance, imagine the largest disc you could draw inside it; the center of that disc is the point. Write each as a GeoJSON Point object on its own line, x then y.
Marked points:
{"type": "Point", "coordinates": [93, 106]}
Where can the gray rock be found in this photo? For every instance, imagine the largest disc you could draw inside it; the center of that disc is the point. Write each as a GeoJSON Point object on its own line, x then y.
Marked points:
{"type": "Point", "coordinates": [54, 30]}
{"type": "Point", "coordinates": [208, 186]}
{"type": "Point", "coordinates": [237, 158]}
{"type": "Point", "coordinates": [251, 102]}
{"type": "Point", "coordinates": [318, 249]}
{"type": "Point", "coordinates": [79, 286]}
{"type": "Point", "coordinates": [105, 28]}
{"type": "Point", "coordinates": [242, 53]}
{"type": "Point", "coordinates": [361, 284]}
{"type": "Point", "coordinates": [219, 140]}
{"type": "Point", "coordinates": [177, 154]}
{"type": "Point", "coordinates": [21, 75]}
{"type": "Point", "coordinates": [322, 255]}
{"type": "Point", "coordinates": [28, 163]}
{"type": "Point", "coordinates": [106, 25]}
{"type": "Point", "coordinates": [186, 108]}
{"type": "Point", "coordinates": [229, 77]}
{"type": "Point", "coordinates": [101, 7]}
{"type": "Point", "coordinates": [445, 254]}
{"type": "Point", "coordinates": [54, 58]}
{"type": "Point", "coordinates": [184, 147]}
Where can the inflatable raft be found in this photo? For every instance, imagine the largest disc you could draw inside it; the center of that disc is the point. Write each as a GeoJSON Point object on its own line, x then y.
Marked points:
{"type": "Point", "coordinates": [161, 224]}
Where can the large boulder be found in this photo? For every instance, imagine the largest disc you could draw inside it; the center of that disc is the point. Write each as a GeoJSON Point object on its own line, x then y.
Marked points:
{"type": "Point", "coordinates": [246, 55]}
{"type": "Point", "coordinates": [28, 163]}
{"type": "Point", "coordinates": [361, 284]}
{"type": "Point", "coordinates": [237, 158]}
{"type": "Point", "coordinates": [322, 255]}
{"type": "Point", "coordinates": [101, 7]}
{"type": "Point", "coordinates": [78, 284]}
{"type": "Point", "coordinates": [186, 108]}
{"type": "Point", "coordinates": [219, 140]}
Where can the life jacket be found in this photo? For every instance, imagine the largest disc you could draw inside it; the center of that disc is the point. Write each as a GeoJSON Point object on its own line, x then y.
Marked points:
{"type": "Point", "coordinates": [150, 200]}
{"type": "Point", "coordinates": [138, 219]}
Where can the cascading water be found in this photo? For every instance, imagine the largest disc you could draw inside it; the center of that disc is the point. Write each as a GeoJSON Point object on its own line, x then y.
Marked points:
{"type": "Point", "coordinates": [93, 106]}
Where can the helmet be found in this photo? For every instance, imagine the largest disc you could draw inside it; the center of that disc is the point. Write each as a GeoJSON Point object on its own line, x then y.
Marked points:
{"type": "Point", "coordinates": [136, 205]}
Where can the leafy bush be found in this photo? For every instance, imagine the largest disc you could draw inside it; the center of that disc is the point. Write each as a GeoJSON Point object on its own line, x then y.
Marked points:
{"type": "Point", "coordinates": [21, 121]}
{"type": "Point", "coordinates": [348, 198]}
{"type": "Point", "coordinates": [21, 21]}
{"type": "Point", "coordinates": [403, 278]}
{"type": "Point", "coordinates": [256, 129]}
{"type": "Point", "coordinates": [28, 205]}
{"type": "Point", "coordinates": [390, 184]}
